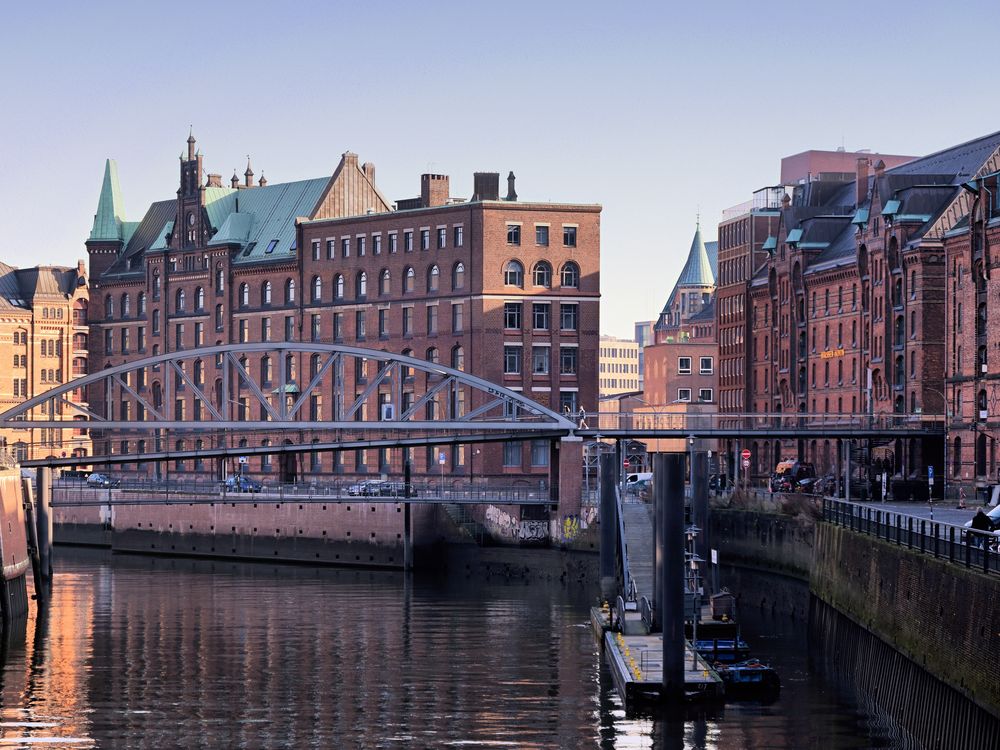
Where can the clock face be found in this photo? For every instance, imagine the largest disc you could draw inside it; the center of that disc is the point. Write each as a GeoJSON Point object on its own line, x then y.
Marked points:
{"type": "Point", "coordinates": [190, 220]}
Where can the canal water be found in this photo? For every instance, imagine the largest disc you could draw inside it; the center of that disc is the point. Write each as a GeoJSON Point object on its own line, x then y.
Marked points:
{"type": "Point", "coordinates": [154, 652]}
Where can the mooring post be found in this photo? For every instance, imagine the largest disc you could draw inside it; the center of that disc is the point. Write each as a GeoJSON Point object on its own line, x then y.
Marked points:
{"type": "Point", "coordinates": [699, 506]}
{"type": "Point", "coordinates": [31, 526]}
{"type": "Point", "coordinates": [45, 522]}
{"type": "Point", "coordinates": [659, 492]}
{"type": "Point", "coordinates": [407, 537]}
{"type": "Point", "coordinates": [609, 527]}
{"type": "Point", "coordinates": [672, 467]}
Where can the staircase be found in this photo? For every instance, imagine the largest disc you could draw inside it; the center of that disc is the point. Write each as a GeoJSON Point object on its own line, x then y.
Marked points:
{"type": "Point", "coordinates": [638, 518]}
{"type": "Point", "coordinates": [464, 521]}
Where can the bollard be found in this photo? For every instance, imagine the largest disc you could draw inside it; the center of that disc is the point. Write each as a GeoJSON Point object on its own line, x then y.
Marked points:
{"type": "Point", "coordinates": [669, 473]}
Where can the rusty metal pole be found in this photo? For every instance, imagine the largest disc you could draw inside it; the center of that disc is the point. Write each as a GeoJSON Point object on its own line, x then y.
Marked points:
{"type": "Point", "coordinates": [672, 468]}
{"type": "Point", "coordinates": [407, 537]}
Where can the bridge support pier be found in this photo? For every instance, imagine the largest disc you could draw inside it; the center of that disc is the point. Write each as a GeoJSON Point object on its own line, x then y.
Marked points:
{"type": "Point", "coordinates": [699, 506]}
{"type": "Point", "coordinates": [565, 480]}
{"type": "Point", "coordinates": [44, 517]}
{"type": "Point", "coordinates": [407, 523]}
{"type": "Point", "coordinates": [669, 496]}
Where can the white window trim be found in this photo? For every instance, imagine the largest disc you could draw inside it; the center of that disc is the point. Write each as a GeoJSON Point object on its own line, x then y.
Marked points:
{"type": "Point", "coordinates": [681, 399]}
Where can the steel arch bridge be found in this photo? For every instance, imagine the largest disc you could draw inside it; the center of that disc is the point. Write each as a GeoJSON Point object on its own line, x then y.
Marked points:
{"type": "Point", "coordinates": [269, 387]}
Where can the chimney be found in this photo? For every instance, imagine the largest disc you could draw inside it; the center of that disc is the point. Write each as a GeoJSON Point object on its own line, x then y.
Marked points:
{"type": "Point", "coordinates": [486, 186]}
{"type": "Point", "coordinates": [511, 193]}
{"type": "Point", "coordinates": [434, 190]}
{"type": "Point", "coordinates": [861, 180]}
{"type": "Point", "coordinates": [369, 169]}
{"type": "Point", "coordinates": [214, 180]}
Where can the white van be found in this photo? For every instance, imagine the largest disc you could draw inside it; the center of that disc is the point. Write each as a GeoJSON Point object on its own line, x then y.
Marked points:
{"type": "Point", "coordinates": [634, 482]}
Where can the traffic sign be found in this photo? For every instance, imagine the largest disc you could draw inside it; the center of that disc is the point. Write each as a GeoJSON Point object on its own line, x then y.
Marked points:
{"type": "Point", "coordinates": [746, 463]}
{"type": "Point", "coordinates": [441, 458]}
{"type": "Point", "coordinates": [746, 454]}
{"type": "Point", "coordinates": [625, 463]}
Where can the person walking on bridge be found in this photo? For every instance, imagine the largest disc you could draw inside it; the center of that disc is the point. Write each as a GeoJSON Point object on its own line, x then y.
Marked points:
{"type": "Point", "coordinates": [583, 419]}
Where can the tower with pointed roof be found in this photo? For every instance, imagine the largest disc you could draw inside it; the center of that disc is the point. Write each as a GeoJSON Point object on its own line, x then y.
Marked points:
{"type": "Point", "coordinates": [108, 234]}
{"type": "Point", "coordinates": [693, 291]}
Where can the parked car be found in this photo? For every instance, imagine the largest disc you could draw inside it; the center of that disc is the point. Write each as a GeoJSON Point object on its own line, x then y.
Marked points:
{"type": "Point", "coordinates": [102, 480]}
{"type": "Point", "coordinates": [793, 476]}
{"type": "Point", "coordinates": [395, 489]}
{"type": "Point", "coordinates": [239, 483]}
{"type": "Point", "coordinates": [986, 521]}
{"type": "Point", "coordinates": [366, 488]}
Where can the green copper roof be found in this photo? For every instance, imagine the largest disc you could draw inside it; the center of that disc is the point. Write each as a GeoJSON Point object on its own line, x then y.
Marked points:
{"type": "Point", "coordinates": [770, 243]}
{"type": "Point", "coordinates": [216, 205]}
{"type": "Point", "coordinates": [698, 269]}
{"type": "Point", "coordinates": [891, 207]}
{"type": "Point", "coordinates": [794, 236]}
{"type": "Point", "coordinates": [161, 238]}
{"type": "Point", "coordinates": [860, 216]}
{"type": "Point", "coordinates": [234, 230]}
{"type": "Point", "coordinates": [110, 211]}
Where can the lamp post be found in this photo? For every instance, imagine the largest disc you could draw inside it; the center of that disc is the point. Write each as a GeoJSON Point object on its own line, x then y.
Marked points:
{"type": "Point", "coordinates": [944, 440]}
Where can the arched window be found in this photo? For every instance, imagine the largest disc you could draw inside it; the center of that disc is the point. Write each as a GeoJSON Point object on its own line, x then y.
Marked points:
{"type": "Point", "coordinates": [385, 282]}
{"type": "Point", "coordinates": [458, 357]}
{"type": "Point", "coordinates": [361, 286]}
{"type": "Point", "coordinates": [956, 460]}
{"type": "Point", "coordinates": [244, 295]}
{"type": "Point", "coordinates": [126, 306]}
{"type": "Point", "coordinates": [433, 275]}
{"type": "Point", "coordinates": [199, 372]}
{"type": "Point", "coordinates": [289, 291]}
{"type": "Point", "coordinates": [199, 299]}
{"type": "Point", "coordinates": [432, 355]}
{"type": "Point", "coordinates": [265, 293]}
{"type": "Point", "coordinates": [338, 286]}
{"type": "Point", "coordinates": [408, 279]}
{"type": "Point", "coordinates": [156, 320]}
{"type": "Point", "coordinates": [220, 278]}
{"type": "Point", "coordinates": [458, 276]}
{"type": "Point", "coordinates": [900, 331]}
{"type": "Point", "coordinates": [541, 274]}
{"type": "Point", "coordinates": [109, 307]}
{"type": "Point", "coordinates": [314, 365]}
{"type": "Point", "coordinates": [179, 302]}
{"type": "Point", "coordinates": [570, 276]}
{"type": "Point", "coordinates": [317, 289]}
{"type": "Point", "coordinates": [141, 303]}
{"type": "Point", "coordinates": [513, 273]}
{"type": "Point", "coordinates": [156, 285]}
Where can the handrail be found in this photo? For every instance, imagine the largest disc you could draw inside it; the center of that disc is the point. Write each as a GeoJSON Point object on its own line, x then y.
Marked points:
{"type": "Point", "coordinates": [628, 585]}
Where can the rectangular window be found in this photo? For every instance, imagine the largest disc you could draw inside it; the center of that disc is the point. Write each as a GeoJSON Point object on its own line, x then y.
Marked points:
{"type": "Point", "coordinates": [244, 331]}
{"type": "Point", "coordinates": [513, 234]}
{"type": "Point", "coordinates": [569, 236]}
{"type": "Point", "coordinates": [359, 325]}
{"type": "Point", "coordinates": [457, 237]}
{"type": "Point", "coordinates": [408, 241]}
{"type": "Point", "coordinates": [512, 316]}
{"type": "Point", "coordinates": [179, 336]}
{"type": "Point", "coordinates": [569, 316]}
{"type": "Point", "coordinates": [512, 360]}
{"type": "Point", "coordinates": [125, 341]}
{"type": "Point", "coordinates": [338, 326]}
{"type": "Point", "coordinates": [330, 251]}
{"type": "Point", "coordinates": [377, 244]}
{"type": "Point", "coordinates": [568, 402]}
{"type": "Point", "coordinates": [540, 360]}
{"type": "Point", "coordinates": [684, 366]}
{"type": "Point", "coordinates": [383, 323]}
{"type": "Point", "coordinates": [109, 341]}
{"type": "Point", "coordinates": [425, 239]}
{"type": "Point", "coordinates": [315, 249]}
{"type": "Point", "coordinates": [705, 394]}
{"type": "Point", "coordinates": [141, 339]}
{"type": "Point", "coordinates": [705, 366]}
{"type": "Point", "coordinates": [442, 237]}
{"type": "Point", "coordinates": [540, 316]}
{"type": "Point", "coordinates": [541, 235]}
{"type": "Point", "coordinates": [568, 360]}
{"type": "Point", "coordinates": [315, 328]}
{"type": "Point", "coordinates": [407, 321]}
{"type": "Point", "coordinates": [265, 329]}
{"type": "Point", "coordinates": [683, 394]}
{"type": "Point", "coordinates": [512, 453]}
{"type": "Point", "coordinates": [539, 452]}
{"type": "Point", "coordinates": [457, 318]}
{"type": "Point", "coordinates": [289, 328]}
{"type": "Point", "coordinates": [361, 247]}
{"type": "Point", "coordinates": [432, 319]}
{"type": "Point", "coordinates": [345, 247]}
{"type": "Point", "coordinates": [393, 243]}
{"type": "Point", "coordinates": [199, 334]}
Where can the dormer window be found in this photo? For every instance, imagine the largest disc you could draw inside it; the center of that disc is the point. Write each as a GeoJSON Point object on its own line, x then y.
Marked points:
{"type": "Point", "coordinates": [270, 246]}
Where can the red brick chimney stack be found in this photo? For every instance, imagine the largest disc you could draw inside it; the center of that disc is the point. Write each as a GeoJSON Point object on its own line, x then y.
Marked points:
{"type": "Point", "coordinates": [861, 180]}
{"type": "Point", "coordinates": [434, 190]}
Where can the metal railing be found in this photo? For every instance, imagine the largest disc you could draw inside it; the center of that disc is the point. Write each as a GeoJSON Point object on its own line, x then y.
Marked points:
{"type": "Point", "coordinates": [959, 545]}
{"type": "Point", "coordinates": [698, 420]}
{"type": "Point", "coordinates": [168, 492]}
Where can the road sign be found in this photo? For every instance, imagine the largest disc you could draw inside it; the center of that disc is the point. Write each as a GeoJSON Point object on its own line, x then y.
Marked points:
{"type": "Point", "coordinates": [441, 458]}
{"type": "Point", "coordinates": [625, 463]}
{"type": "Point", "coordinates": [930, 475]}
{"type": "Point", "coordinates": [244, 459]}
{"type": "Point", "coordinates": [746, 454]}
{"type": "Point", "coordinates": [746, 463]}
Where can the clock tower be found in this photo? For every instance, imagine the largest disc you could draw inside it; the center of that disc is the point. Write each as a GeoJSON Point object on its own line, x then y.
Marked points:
{"type": "Point", "coordinates": [190, 228]}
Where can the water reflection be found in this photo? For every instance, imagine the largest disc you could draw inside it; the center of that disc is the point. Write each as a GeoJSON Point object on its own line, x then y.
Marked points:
{"type": "Point", "coordinates": [154, 652]}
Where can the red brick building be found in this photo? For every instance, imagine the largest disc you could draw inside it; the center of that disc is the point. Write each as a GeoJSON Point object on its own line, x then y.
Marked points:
{"type": "Point", "coordinates": [848, 312]}
{"type": "Point", "coordinates": [505, 289]}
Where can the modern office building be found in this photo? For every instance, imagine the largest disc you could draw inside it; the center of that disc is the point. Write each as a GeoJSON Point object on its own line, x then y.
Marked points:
{"type": "Point", "coordinates": [618, 366]}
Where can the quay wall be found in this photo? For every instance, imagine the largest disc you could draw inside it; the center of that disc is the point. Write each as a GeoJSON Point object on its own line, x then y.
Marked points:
{"type": "Point", "coordinates": [941, 616]}
{"type": "Point", "coordinates": [773, 542]}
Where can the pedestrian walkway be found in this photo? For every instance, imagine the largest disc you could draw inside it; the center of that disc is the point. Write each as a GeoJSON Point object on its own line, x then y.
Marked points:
{"type": "Point", "coordinates": [638, 518]}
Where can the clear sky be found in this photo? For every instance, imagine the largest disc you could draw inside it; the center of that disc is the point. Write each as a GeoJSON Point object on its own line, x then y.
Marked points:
{"type": "Point", "coordinates": [655, 110]}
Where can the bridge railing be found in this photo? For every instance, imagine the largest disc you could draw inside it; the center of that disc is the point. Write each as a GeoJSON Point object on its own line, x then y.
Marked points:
{"type": "Point", "coordinates": [959, 545]}
{"type": "Point", "coordinates": [698, 420]}
{"type": "Point", "coordinates": [140, 492]}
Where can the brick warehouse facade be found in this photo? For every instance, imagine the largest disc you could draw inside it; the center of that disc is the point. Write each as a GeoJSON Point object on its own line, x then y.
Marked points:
{"type": "Point", "coordinates": [848, 315]}
{"type": "Point", "coordinates": [505, 289]}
